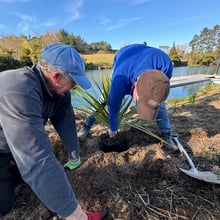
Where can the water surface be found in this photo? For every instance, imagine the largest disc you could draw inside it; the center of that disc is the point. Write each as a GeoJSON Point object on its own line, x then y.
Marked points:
{"type": "Point", "coordinates": [176, 92]}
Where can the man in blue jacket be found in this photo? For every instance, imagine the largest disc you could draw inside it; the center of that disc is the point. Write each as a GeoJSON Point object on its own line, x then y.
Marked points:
{"type": "Point", "coordinates": [142, 72]}
{"type": "Point", "coordinates": [28, 98]}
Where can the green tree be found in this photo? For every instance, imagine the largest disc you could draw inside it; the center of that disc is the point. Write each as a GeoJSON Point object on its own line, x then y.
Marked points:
{"type": "Point", "coordinates": [66, 38]}
{"type": "Point", "coordinates": [165, 48]}
{"type": "Point", "coordinates": [8, 62]}
{"type": "Point", "coordinates": [31, 49]}
{"type": "Point", "coordinates": [50, 37]}
{"type": "Point", "coordinates": [100, 46]}
{"type": "Point", "coordinates": [205, 46]}
{"type": "Point", "coordinates": [76, 41]}
{"type": "Point", "coordinates": [174, 56]}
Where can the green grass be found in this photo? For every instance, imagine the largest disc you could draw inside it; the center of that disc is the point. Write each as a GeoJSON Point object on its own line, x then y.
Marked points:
{"type": "Point", "coordinates": [192, 98]}
{"type": "Point", "coordinates": [103, 61]}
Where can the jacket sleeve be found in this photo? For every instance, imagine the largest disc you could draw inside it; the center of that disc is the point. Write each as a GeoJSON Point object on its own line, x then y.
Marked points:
{"type": "Point", "coordinates": [30, 146]}
{"type": "Point", "coordinates": [63, 121]}
{"type": "Point", "coordinates": [117, 92]}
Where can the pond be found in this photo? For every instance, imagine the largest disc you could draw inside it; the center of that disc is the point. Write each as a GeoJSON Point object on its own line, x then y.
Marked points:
{"type": "Point", "coordinates": [177, 92]}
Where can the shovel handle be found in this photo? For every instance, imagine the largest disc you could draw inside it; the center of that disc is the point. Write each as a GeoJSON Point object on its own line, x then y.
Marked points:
{"type": "Point", "coordinates": [183, 151]}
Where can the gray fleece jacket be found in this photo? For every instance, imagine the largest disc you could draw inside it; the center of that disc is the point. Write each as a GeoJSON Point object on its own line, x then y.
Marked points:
{"type": "Point", "coordinates": [25, 106]}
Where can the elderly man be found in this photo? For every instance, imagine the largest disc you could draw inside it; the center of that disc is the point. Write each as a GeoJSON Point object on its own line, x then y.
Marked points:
{"type": "Point", "coordinates": [28, 98]}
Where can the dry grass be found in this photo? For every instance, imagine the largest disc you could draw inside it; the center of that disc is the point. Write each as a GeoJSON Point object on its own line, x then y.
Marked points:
{"type": "Point", "coordinates": [99, 58]}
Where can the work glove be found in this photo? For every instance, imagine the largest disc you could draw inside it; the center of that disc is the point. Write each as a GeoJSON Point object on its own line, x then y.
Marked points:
{"type": "Point", "coordinates": [72, 165]}
{"type": "Point", "coordinates": [96, 215]}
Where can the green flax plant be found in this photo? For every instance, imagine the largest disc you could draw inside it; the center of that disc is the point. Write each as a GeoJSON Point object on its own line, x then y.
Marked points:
{"type": "Point", "coordinates": [97, 107]}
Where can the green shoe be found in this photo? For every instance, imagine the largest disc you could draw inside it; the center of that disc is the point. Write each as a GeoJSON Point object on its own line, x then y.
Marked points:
{"type": "Point", "coordinates": [72, 165]}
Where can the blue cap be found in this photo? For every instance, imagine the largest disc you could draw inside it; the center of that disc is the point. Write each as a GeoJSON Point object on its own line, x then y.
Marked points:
{"type": "Point", "coordinates": [67, 59]}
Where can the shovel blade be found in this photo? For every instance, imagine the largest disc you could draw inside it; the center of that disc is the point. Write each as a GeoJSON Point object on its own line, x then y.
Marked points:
{"type": "Point", "coordinates": [206, 176]}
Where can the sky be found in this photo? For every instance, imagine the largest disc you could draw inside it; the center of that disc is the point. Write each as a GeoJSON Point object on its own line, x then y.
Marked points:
{"type": "Point", "coordinates": [118, 22]}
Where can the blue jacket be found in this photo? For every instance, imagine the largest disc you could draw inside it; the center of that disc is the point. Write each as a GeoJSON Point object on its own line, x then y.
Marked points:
{"type": "Point", "coordinates": [25, 106]}
{"type": "Point", "coordinates": [129, 63]}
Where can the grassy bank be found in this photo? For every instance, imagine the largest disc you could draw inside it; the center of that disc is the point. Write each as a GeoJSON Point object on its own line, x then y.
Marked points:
{"type": "Point", "coordinates": [192, 98]}
{"type": "Point", "coordinates": [98, 61]}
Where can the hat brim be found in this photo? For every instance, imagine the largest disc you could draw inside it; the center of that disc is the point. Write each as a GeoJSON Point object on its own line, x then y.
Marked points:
{"type": "Point", "coordinates": [82, 81]}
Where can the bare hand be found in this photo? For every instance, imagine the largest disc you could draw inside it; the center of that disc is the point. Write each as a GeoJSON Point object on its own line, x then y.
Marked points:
{"type": "Point", "coordinates": [133, 109]}
{"type": "Point", "coordinates": [112, 133]}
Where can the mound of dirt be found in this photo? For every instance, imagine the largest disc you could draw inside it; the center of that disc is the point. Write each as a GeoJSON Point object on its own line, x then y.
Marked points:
{"type": "Point", "coordinates": [143, 182]}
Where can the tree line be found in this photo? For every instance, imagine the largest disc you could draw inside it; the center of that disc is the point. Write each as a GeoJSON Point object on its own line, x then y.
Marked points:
{"type": "Point", "coordinates": [203, 49]}
{"type": "Point", "coordinates": [21, 51]}
{"type": "Point", "coordinates": [15, 52]}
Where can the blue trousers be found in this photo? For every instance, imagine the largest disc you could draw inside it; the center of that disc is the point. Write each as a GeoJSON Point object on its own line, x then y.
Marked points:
{"type": "Point", "coordinates": [9, 178]}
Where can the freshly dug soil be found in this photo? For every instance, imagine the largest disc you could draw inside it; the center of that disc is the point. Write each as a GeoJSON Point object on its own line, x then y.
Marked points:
{"type": "Point", "coordinates": [143, 182]}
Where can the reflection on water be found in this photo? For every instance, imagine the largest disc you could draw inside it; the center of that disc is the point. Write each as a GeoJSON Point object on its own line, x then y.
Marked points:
{"type": "Point", "coordinates": [176, 92]}
{"type": "Point", "coordinates": [184, 71]}
{"type": "Point", "coordinates": [187, 90]}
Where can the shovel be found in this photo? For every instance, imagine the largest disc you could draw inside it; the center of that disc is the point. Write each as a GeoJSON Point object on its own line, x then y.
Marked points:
{"type": "Point", "coordinates": [206, 176]}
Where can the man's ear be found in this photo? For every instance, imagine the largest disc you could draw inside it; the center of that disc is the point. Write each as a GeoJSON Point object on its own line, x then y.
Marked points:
{"type": "Point", "coordinates": [135, 95]}
{"type": "Point", "coordinates": [55, 77]}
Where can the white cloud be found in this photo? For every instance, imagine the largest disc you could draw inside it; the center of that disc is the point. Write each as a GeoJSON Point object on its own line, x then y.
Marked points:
{"type": "Point", "coordinates": [74, 10]}
{"type": "Point", "coordinates": [25, 17]}
{"type": "Point", "coordinates": [185, 20]}
{"type": "Point", "coordinates": [23, 27]}
{"type": "Point", "coordinates": [104, 20]}
{"type": "Point", "coordinates": [123, 22]}
{"type": "Point", "coordinates": [27, 22]}
{"type": "Point", "coordinates": [138, 2]}
{"type": "Point", "coordinates": [49, 23]}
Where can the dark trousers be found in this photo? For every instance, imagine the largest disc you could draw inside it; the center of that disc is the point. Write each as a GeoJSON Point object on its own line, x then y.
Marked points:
{"type": "Point", "coordinates": [9, 178]}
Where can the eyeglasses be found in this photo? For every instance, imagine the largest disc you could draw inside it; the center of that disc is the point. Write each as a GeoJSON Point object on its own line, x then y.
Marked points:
{"type": "Point", "coordinates": [74, 85]}
{"type": "Point", "coordinates": [68, 77]}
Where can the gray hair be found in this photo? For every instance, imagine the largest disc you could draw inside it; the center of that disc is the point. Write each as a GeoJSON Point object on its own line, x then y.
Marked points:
{"type": "Point", "coordinates": [45, 66]}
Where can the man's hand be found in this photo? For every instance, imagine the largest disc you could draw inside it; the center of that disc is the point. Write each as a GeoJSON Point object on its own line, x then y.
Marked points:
{"type": "Point", "coordinates": [112, 133]}
{"type": "Point", "coordinates": [133, 109]}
